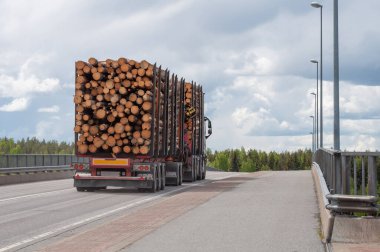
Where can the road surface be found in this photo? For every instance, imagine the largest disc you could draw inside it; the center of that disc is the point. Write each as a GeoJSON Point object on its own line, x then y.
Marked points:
{"type": "Point", "coordinates": [266, 211]}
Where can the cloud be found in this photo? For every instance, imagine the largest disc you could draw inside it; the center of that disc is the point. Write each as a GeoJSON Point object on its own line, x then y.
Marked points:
{"type": "Point", "coordinates": [18, 104]}
{"type": "Point", "coordinates": [53, 109]}
{"type": "Point", "coordinates": [50, 129]}
{"type": "Point", "coordinates": [252, 58]}
{"type": "Point", "coordinates": [26, 83]}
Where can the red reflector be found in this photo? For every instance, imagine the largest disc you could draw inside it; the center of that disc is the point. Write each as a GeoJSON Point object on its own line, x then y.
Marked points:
{"type": "Point", "coordinates": [80, 167]}
{"type": "Point", "coordinates": [76, 166]}
{"type": "Point", "coordinates": [144, 168]}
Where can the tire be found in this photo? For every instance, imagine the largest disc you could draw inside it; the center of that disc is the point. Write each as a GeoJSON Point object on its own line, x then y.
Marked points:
{"type": "Point", "coordinates": [154, 185]}
{"type": "Point", "coordinates": [81, 189]}
{"type": "Point", "coordinates": [204, 174]}
{"type": "Point", "coordinates": [180, 175]}
{"type": "Point", "coordinates": [163, 180]}
{"type": "Point", "coordinates": [199, 173]}
{"type": "Point", "coordinates": [194, 172]}
{"type": "Point", "coordinates": [158, 176]}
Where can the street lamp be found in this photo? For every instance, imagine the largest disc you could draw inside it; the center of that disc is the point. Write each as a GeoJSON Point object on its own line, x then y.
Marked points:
{"type": "Point", "coordinates": [312, 140]}
{"type": "Point", "coordinates": [318, 5]}
{"type": "Point", "coordinates": [313, 133]}
{"type": "Point", "coordinates": [316, 106]}
{"type": "Point", "coordinates": [316, 116]}
{"type": "Point", "coordinates": [336, 79]}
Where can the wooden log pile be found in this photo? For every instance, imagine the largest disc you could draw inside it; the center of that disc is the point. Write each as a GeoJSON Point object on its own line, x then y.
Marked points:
{"type": "Point", "coordinates": [113, 104]}
{"type": "Point", "coordinates": [189, 110]}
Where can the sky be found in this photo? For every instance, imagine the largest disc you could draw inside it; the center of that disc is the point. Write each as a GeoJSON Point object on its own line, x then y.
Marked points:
{"type": "Point", "coordinates": [252, 58]}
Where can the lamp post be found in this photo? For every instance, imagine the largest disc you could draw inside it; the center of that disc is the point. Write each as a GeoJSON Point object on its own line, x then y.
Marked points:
{"type": "Point", "coordinates": [312, 141]}
{"type": "Point", "coordinates": [318, 5]}
{"type": "Point", "coordinates": [316, 118]}
{"type": "Point", "coordinates": [336, 79]}
{"type": "Point", "coordinates": [316, 106]}
{"type": "Point", "coordinates": [313, 133]}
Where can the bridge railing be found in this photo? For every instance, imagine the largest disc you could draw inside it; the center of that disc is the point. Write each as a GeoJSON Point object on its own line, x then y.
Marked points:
{"type": "Point", "coordinates": [351, 173]}
{"type": "Point", "coordinates": [37, 160]}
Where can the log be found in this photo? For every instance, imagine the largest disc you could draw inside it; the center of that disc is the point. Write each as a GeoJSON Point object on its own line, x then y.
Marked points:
{"type": "Point", "coordinates": [122, 60]}
{"type": "Point", "coordinates": [144, 64]}
{"type": "Point", "coordinates": [146, 134]}
{"type": "Point", "coordinates": [92, 148]}
{"type": "Point", "coordinates": [147, 106]}
{"type": "Point", "coordinates": [110, 118]}
{"type": "Point", "coordinates": [119, 128]}
{"type": "Point", "coordinates": [144, 150]}
{"type": "Point", "coordinates": [127, 149]}
{"type": "Point", "coordinates": [135, 150]}
{"type": "Point", "coordinates": [116, 149]}
{"type": "Point", "coordinates": [147, 118]}
{"type": "Point", "coordinates": [98, 142]}
{"type": "Point", "coordinates": [79, 65]}
{"type": "Point", "coordinates": [100, 114]}
{"type": "Point", "coordinates": [110, 130]}
{"type": "Point", "coordinates": [135, 110]}
{"type": "Point", "coordinates": [82, 148]}
{"type": "Point", "coordinates": [93, 61]}
{"type": "Point", "coordinates": [97, 76]}
{"type": "Point", "coordinates": [111, 141]}
{"type": "Point", "coordinates": [104, 137]}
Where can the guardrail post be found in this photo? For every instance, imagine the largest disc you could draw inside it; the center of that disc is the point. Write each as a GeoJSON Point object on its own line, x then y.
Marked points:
{"type": "Point", "coordinates": [346, 174]}
{"type": "Point", "coordinates": [355, 177]}
{"type": "Point", "coordinates": [338, 173]}
{"type": "Point", "coordinates": [372, 176]}
{"type": "Point", "coordinates": [363, 176]}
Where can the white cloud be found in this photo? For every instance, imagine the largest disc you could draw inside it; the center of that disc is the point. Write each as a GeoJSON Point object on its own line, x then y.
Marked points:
{"type": "Point", "coordinates": [49, 129]}
{"type": "Point", "coordinates": [18, 104]}
{"type": "Point", "coordinates": [27, 83]}
{"type": "Point", "coordinates": [252, 58]}
{"type": "Point", "coordinates": [53, 109]}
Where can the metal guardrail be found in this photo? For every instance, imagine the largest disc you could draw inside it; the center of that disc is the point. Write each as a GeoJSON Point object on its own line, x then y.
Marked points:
{"type": "Point", "coordinates": [26, 161]}
{"type": "Point", "coordinates": [16, 170]}
{"type": "Point", "coordinates": [351, 178]}
{"type": "Point", "coordinates": [30, 163]}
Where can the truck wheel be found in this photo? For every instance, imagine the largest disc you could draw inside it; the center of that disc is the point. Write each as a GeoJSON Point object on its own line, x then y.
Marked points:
{"type": "Point", "coordinates": [163, 180]}
{"type": "Point", "coordinates": [154, 182]}
{"type": "Point", "coordinates": [194, 173]}
{"type": "Point", "coordinates": [81, 189]}
{"type": "Point", "coordinates": [158, 176]}
{"type": "Point", "coordinates": [180, 175]}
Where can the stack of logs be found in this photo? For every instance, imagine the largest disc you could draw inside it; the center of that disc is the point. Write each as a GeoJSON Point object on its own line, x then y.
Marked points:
{"type": "Point", "coordinates": [113, 101]}
{"type": "Point", "coordinates": [188, 103]}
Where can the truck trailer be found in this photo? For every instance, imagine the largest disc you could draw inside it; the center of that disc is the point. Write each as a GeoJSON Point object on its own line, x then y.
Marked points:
{"type": "Point", "coordinates": [137, 125]}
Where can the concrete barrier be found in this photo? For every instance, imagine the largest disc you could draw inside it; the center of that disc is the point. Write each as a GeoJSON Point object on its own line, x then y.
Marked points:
{"type": "Point", "coordinates": [346, 229]}
{"type": "Point", "coordinates": [33, 177]}
{"type": "Point", "coordinates": [326, 217]}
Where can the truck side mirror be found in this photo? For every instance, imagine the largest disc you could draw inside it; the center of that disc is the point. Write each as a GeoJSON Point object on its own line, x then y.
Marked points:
{"type": "Point", "coordinates": [209, 126]}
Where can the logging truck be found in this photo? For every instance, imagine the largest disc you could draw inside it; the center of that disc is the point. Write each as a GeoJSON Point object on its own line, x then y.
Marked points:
{"type": "Point", "coordinates": [137, 125]}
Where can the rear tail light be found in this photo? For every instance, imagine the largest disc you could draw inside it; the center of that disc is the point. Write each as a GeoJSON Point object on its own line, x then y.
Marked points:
{"type": "Point", "coordinates": [81, 167]}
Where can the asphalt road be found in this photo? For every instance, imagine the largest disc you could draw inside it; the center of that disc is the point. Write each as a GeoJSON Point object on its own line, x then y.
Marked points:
{"type": "Point", "coordinates": [41, 212]}
{"type": "Point", "coordinates": [273, 211]}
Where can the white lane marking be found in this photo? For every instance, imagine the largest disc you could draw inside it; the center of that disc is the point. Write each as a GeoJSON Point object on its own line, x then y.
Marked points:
{"type": "Point", "coordinates": [98, 216]}
{"type": "Point", "coordinates": [34, 195]}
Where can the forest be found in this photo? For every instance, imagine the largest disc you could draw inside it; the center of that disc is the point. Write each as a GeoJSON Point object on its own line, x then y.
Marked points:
{"type": "Point", "coordinates": [255, 160]}
{"type": "Point", "coordinates": [34, 146]}
{"type": "Point", "coordinates": [227, 160]}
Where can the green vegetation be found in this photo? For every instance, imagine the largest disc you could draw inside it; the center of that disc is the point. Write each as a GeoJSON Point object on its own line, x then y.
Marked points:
{"type": "Point", "coordinates": [254, 160]}
{"type": "Point", "coordinates": [34, 146]}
